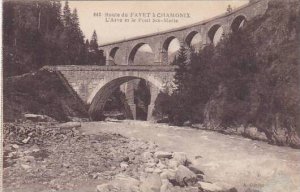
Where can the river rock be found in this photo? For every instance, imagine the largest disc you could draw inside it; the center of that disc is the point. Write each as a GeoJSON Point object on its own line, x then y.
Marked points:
{"type": "Point", "coordinates": [187, 123]}
{"type": "Point", "coordinates": [254, 133]}
{"type": "Point", "coordinates": [15, 146]}
{"type": "Point", "coordinates": [240, 130]}
{"type": "Point", "coordinates": [149, 170]}
{"type": "Point", "coordinates": [157, 170]}
{"type": "Point", "coordinates": [261, 136]}
{"type": "Point", "coordinates": [33, 148]}
{"type": "Point", "coordinates": [25, 141]}
{"type": "Point", "coordinates": [251, 131]}
{"type": "Point", "coordinates": [181, 158]}
{"type": "Point", "coordinates": [152, 183]}
{"type": "Point", "coordinates": [200, 177]}
{"type": "Point", "coordinates": [166, 185]}
{"type": "Point", "coordinates": [26, 167]}
{"type": "Point", "coordinates": [184, 176]}
{"type": "Point", "coordinates": [27, 159]}
{"type": "Point", "coordinates": [147, 156]}
{"type": "Point", "coordinates": [70, 125]}
{"type": "Point", "coordinates": [160, 165]}
{"type": "Point", "coordinates": [209, 186]}
{"type": "Point", "coordinates": [163, 155]}
{"type": "Point", "coordinates": [173, 164]}
{"type": "Point", "coordinates": [36, 117]}
{"type": "Point", "coordinates": [125, 159]}
{"type": "Point", "coordinates": [195, 169]}
{"type": "Point", "coordinates": [106, 187]}
{"type": "Point", "coordinates": [123, 165]}
{"type": "Point", "coordinates": [120, 183]}
{"type": "Point", "coordinates": [150, 164]}
{"type": "Point", "coordinates": [168, 174]}
{"type": "Point", "coordinates": [192, 189]}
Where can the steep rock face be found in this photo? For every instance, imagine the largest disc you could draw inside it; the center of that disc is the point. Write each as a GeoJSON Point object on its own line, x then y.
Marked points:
{"type": "Point", "coordinates": [273, 102]}
{"type": "Point", "coordinates": [43, 93]}
{"type": "Point", "coordinates": [277, 40]}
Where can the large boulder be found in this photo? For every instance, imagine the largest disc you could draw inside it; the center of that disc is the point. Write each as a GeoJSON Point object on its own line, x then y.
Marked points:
{"type": "Point", "coordinates": [172, 164]}
{"type": "Point", "coordinates": [209, 187]}
{"type": "Point", "coordinates": [185, 177]}
{"type": "Point", "coordinates": [70, 125]}
{"type": "Point", "coordinates": [38, 118]}
{"type": "Point", "coordinates": [195, 169]}
{"type": "Point", "coordinates": [168, 174]}
{"type": "Point", "coordinates": [120, 183]}
{"type": "Point", "coordinates": [166, 185]}
{"type": "Point", "coordinates": [181, 158]}
{"type": "Point", "coordinates": [254, 133]}
{"type": "Point", "coordinates": [152, 183]}
{"type": "Point", "coordinates": [163, 155]}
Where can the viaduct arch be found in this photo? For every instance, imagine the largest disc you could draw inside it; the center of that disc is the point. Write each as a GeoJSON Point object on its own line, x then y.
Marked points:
{"type": "Point", "coordinates": [159, 42]}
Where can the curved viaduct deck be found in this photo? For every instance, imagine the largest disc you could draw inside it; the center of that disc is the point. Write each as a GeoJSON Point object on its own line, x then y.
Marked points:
{"type": "Point", "coordinates": [159, 42]}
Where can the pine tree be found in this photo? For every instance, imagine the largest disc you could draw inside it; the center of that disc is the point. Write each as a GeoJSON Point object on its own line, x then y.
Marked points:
{"type": "Point", "coordinates": [75, 25]}
{"type": "Point", "coordinates": [87, 45]}
{"type": "Point", "coordinates": [181, 74]}
{"type": "Point", "coordinates": [180, 111]}
{"type": "Point", "coordinates": [95, 55]}
{"type": "Point", "coordinates": [94, 42]}
{"type": "Point", "coordinates": [66, 17]}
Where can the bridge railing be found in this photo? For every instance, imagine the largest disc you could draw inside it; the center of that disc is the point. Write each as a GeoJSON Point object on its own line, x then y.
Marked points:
{"type": "Point", "coordinates": [110, 68]}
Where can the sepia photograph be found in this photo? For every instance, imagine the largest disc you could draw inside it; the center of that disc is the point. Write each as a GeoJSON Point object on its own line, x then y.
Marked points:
{"type": "Point", "coordinates": [150, 96]}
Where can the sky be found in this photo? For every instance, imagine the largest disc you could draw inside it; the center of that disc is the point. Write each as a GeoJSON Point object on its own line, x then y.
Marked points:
{"type": "Point", "coordinates": [142, 11]}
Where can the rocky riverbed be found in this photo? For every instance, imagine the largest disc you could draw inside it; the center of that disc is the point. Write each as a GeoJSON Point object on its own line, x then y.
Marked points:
{"type": "Point", "coordinates": [226, 160]}
{"type": "Point", "coordinates": [49, 156]}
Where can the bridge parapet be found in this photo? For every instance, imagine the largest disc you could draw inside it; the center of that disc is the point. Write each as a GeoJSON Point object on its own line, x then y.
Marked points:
{"type": "Point", "coordinates": [145, 68]}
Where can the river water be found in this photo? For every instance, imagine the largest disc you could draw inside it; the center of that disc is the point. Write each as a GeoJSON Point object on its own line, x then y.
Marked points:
{"type": "Point", "coordinates": [227, 160]}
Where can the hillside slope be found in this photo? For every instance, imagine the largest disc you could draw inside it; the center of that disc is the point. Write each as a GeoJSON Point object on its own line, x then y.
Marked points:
{"type": "Point", "coordinates": [272, 102]}
{"type": "Point", "coordinates": [278, 83]}
{"type": "Point", "coordinates": [43, 93]}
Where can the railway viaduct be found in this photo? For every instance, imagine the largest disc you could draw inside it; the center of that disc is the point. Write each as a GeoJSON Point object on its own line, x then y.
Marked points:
{"type": "Point", "coordinates": [94, 84]}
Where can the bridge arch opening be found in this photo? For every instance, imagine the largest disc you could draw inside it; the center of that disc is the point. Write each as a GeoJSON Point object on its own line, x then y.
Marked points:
{"type": "Point", "coordinates": [238, 23]}
{"type": "Point", "coordinates": [215, 34]}
{"type": "Point", "coordinates": [97, 106]}
{"type": "Point", "coordinates": [141, 54]}
{"type": "Point", "coordinates": [112, 55]}
{"type": "Point", "coordinates": [169, 49]}
{"type": "Point", "coordinates": [194, 40]}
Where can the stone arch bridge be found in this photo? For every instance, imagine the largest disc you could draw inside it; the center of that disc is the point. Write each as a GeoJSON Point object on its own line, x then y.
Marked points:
{"type": "Point", "coordinates": [94, 84]}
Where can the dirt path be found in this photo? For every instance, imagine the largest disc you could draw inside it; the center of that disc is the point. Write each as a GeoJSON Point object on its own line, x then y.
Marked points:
{"type": "Point", "coordinates": [225, 159]}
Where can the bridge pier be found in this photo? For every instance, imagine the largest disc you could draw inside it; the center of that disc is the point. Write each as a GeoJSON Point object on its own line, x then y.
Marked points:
{"type": "Point", "coordinates": [154, 93]}
{"type": "Point", "coordinates": [133, 110]}
{"type": "Point", "coordinates": [129, 93]}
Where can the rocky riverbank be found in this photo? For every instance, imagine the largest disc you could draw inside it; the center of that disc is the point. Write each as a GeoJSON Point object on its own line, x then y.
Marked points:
{"type": "Point", "coordinates": [49, 156]}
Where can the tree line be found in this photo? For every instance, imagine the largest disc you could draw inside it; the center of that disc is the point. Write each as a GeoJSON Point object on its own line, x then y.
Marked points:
{"type": "Point", "coordinates": [39, 33]}
{"type": "Point", "coordinates": [241, 81]}
{"type": "Point", "coordinates": [220, 74]}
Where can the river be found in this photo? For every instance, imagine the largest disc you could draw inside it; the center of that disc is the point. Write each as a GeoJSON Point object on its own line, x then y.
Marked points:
{"type": "Point", "coordinates": [227, 160]}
